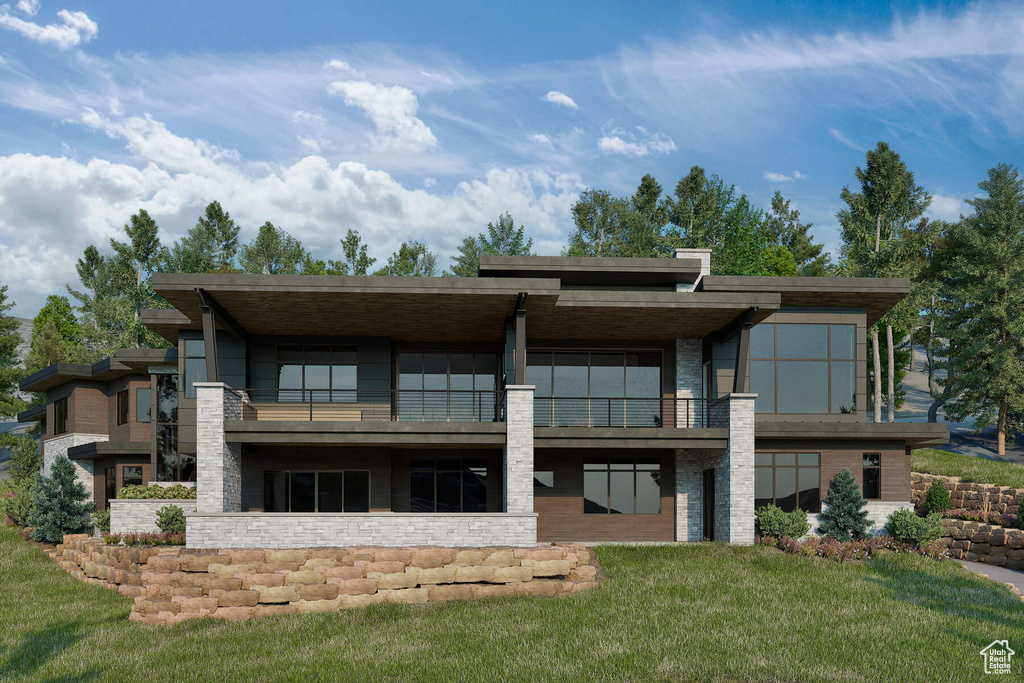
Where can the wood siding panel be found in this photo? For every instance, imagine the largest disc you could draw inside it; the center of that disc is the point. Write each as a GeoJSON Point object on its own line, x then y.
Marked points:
{"type": "Point", "coordinates": [838, 455]}
{"type": "Point", "coordinates": [560, 509]}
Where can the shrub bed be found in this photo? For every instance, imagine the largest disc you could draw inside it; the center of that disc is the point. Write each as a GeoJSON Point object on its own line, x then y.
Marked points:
{"type": "Point", "coordinates": [1007, 520]}
{"type": "Point", "coordinates": [157, 492]}
{"type": "Point", "coordinates": [144, 539]}
{"type": "Point", "coordinates": [856, 549]}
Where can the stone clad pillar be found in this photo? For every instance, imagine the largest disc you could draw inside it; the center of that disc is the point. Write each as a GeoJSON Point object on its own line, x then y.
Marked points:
{"type": "Point", "coordinates": [519, 448]}
{"type": "Point", "coordinates": [734, 470]}
{"type": "Point", "coordinates": [218, 463]}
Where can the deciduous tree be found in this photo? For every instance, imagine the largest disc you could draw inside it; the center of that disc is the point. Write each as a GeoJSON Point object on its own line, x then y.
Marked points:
{"type": "Point", "coordinates": [412, 259]}
{"type": "Point", "coordinates": [272, 252]}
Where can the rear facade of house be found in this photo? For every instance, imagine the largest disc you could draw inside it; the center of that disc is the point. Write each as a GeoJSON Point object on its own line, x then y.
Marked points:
{"type": "Point", "coordinates": [549, 399]}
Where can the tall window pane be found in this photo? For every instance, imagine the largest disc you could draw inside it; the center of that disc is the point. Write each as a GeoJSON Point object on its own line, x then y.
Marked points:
{"type": "Point", "coordinates": [764, 486]}
{"type": "Point", "coordinates": [143, 405]}
{"type": "Point", "coordinates": [843, 344]}
{"type": "Point", "coordinates": [595, 491]}
{"type": "Point", "coordinates": [421, 489]}
{"type": "Point", "coordinates": [303, 492]}
{"type": "Point", "coordinates": [275, 492]}
{"type": "Point", "coordinates": [762, 383]}
{"type": "Point", "coordinates": [621, 491]}
{"type": "Point", "coordinates": [570, 387]}
{"type": "Point", "coordinates": [330, 492]}
{"type": "Point", "coordinates": [474, 488]}
{"type": "Point", "coordinates": [357, 491]}
{"type": "Point", "coordinates": [843, 389]}
{"type": "Point", "coordinates": [538, 374]}
{"type": "Point", "coordinates": [785, 488]}
{"type": "Point", "coordinates": [762, 341]}
{"type": "Point", "coordinates": [648, 489]}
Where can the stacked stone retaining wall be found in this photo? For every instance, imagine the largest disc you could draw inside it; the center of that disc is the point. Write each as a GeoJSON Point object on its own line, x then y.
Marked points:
{"type": "Point", "coordinates": [172, 584]}
{"type": "Point", "coordinates": [988, 543]}
{"type": "Point", "coordinates": [968, 495]}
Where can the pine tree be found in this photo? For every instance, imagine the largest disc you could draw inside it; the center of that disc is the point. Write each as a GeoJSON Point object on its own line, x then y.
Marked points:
{"type": "Point", "coordinates": [784, 228]}
{"type": "Point", "coordinates": [982, 296]}
{"type": "Point", "coordinates": [467, 262]}
{"type": "Point", "coordinates": [412, 259]}
{"type": "Point", "coordinates": [10, 372]}
{"type": "Point", "coordinates": [133, 263]}
{"type": "Point", "coordinates": [60, 504]}
{"type": "Point", "coordinates": [272, 252]}
{"type": "Point", "coordinates": [502, 238]}
{"type": "Point", "coordinates": [843, 514]}
{"type": "Point", "coordinates": [216, 234]}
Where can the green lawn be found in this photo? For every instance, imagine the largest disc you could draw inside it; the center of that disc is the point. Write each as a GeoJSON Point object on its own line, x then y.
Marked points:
{"type": "Point", "coordinates": [995, 472]}
{"type": "Point", "coordinates": [699, 612]}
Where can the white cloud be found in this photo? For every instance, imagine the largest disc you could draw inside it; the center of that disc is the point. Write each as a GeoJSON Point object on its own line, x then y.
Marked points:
{"type": "Point", "coordinates": [306, 117]}
{"type": "Point", "coordinates": [29, 7]}
{"type": "Point", "coordinates": [639, 144]}
{"type": "Point", "coordinates": [77, 28]}
{"type": "Point", "coordinates": [540, 139]}
{"type": "Point", "coordinates": [337, 65]}
{"type": "Point", "coordinates": [54, 207]}
{"type": "Point", "coordinates": [946, 207]}
{"type": "Point", "coordinates": [561, 99]}
{"type": "Point", "coordinates": [392, 110]}
{"type": "Point", "coordinates": [773, 177]}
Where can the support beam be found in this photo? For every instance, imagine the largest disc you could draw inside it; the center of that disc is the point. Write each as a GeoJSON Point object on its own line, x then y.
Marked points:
{"type": "Point", "coordinates": [740, 380]}
{"type": "Point", "coordinates": [520, 330]}
{"type": "Point", "coordinates": [210, 343]}
{"type": "Point", "coordinates": [223, 318]}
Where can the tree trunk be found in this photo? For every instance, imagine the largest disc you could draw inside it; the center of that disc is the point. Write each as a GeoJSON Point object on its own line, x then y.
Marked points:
{"type": "Point", "coordinates": [878, 233]}
{"type": "Point", "coordinates": [876, 357]}
{"type": "Point", "coordinates": [890, 393]}
{"type": "Point", "coordinates": [1001, 435]}
{"type": "Point", "coordinates": [910, 342]}
{"type": "Point", "coordinates": [929, 354]}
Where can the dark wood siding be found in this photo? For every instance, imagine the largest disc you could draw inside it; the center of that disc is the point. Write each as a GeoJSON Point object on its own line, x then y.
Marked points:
{"type": "Point", "coordinates": [560, 509]}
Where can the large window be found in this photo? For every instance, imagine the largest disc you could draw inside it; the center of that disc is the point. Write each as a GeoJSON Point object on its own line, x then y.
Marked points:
{"type": "Point", "coordinates": [122, 407]}
{"type": "Point", "coordinates": [798, 368]}
{"type": "Point", "coordinates": [131, 475]}
{"type": "Point", "coordinates": [448, 485]}
{"type": "Point", "coordinates": [171, 464]}
{"type": "Point", "coordinates": [596, 389]}
{"type": "Point", "coordinates": [60, 415]}
{"type": "Point", "coordinates": [316, 372]}
{"type": "Point", "coordinates": [622, 486]}
{"type": "Point", "coordinates": [447, 386]}
{"type": "Point", "coordinates": [335, 491]}
{"type": "Point", "coordinates": [143, 405]}
{"type": "Point", "coordinates": [872, 475]}
{"type": "Point", "coordinates": [195, 365]}
{"type": "Point", "coordinates": [789, 480]}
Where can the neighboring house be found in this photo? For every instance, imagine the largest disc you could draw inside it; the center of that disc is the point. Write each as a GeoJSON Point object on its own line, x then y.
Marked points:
{"type": "Point", "coordinates": [549, 399]}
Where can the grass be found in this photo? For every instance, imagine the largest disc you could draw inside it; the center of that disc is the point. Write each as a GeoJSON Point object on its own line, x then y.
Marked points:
{"type": "Point", "coordinates": [968, 468]}
{"type": "Point", "coordinates": [698, 612]}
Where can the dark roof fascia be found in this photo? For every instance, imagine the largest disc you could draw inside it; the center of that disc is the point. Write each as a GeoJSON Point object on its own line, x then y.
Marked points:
{"type": "Point", "coordinates": [102, 449]}
{"type": "Point", "coordinates": [628, 299]}
{"type": "Point", "coordinates": [629, 437]}
{"type": "Point", "coordinates": [739, 283]}
{"type": "Point", "coordinates": [344, 284]}
{"type": "Point", "coordinates": [165, 316]}
{"type": "Point", "coordinates": [915, 434]}
{"type": "Point", "coordinates": [594, 270]}
{"type": "Point", "coordinates": [33, 414]}
{"type": "Point", "coordinates": [123, 362]}
{"type": "Point", "coordinates": [366, 433]}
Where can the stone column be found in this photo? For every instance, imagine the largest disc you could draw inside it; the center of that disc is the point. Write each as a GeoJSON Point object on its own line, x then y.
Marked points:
{"type": "Point", "coordinates": [218, 463]}
{"type": "Point", "coordinates": [734, 470]}
{"type": "Point", "coordinates": [519, 448]}
{"type": "Point", "coordinates": [689, 382]}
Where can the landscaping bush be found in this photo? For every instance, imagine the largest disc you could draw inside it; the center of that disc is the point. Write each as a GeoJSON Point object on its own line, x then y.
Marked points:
{"type": "Point", "coordinates": [171, 519]}
{"type": "Point", "coordinates": [101, 520]}
{"type": "Point", "coordinates": [907, 527]}
{"type": "Point", "coordinates": [157, 492]}
{"type": "Point", "coordinates": [772, 521]}
{"type": "Point", "coordinates": [60, 504]}
{"type": "Point", "coordinates": [144, 539]}
{"type": "Point", "coordinates": [15, 502]}
{"type": "Point", "coordinates": [937, 498]}
{"type": "Point", "coordinates": [844, 516]}
{"type": "Point", "coordinates": [857, 549]}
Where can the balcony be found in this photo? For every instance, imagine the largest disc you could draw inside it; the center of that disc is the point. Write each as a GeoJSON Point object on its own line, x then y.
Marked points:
{"type": "Point", "coordinates": [621, 412]}
{"type": "Point", "coordinates": [404, 405]}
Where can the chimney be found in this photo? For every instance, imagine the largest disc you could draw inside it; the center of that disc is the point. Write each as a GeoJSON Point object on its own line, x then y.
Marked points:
{"type": "Point", "coordinates": [704, 255]}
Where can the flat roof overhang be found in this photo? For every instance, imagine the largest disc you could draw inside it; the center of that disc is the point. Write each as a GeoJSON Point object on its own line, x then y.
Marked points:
{"type": "Point", "coordinates": [913, 434]}
{"type": "Point", "coordinates": [450, 309]}
{"type": "Point", "coordinates": [876, 295]}
{"type": "Point", "coordinates": [103, 449]}
{"type": "Point", "coordinates": [124, 362]}
{"type": "Point", "coordinates": [33, 414]}
{"type": "Point", "coordinates": [167, 322]}
{"type": "Point", "coordinates": [629, 437]}
{"type": "Point", "coordinates": [407, 434]}
{"type": "Point", "coordinates": [595, 271]}
{"type": "Point", "coordinates": [579, 314]}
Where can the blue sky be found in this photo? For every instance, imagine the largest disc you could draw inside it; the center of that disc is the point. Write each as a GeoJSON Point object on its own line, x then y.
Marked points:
{"type": "Point", "coordinates": [406, 121]}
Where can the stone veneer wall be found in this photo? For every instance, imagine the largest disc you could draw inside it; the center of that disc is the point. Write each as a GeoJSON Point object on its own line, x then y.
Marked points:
{"type": "Point", "coordinates": [171, 584]}
{"type": "Point", "coordinates": [689, 383]}
{"type": "Point", "coordinates": [988, 543]}
{"type": "Point", "coordinates": [294, 530]}
{"type": "Point", "coordinates": [734, 470]}
{"type": "Point", "coordinates": [218, 463]}
{"type": "Point", "coordinates": [59, 445]}
{"type": "Point", "coordinates": [968, 496]}
{"type": "Point", "coordinates": [131, 515]}
{"type": "Point", "coordinates": [518, 457]}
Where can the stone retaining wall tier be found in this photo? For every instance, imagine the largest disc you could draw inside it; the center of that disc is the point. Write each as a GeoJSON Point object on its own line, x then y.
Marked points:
{"type": "Point", "coordinates": [968, 495]}
{"type": "Point", "coordinates": [172, 584]}
{"type": "Point", "coordinates": [988, 543]}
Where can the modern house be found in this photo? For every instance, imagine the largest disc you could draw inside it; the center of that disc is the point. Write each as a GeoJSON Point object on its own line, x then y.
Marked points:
{"type": "Point", "coordinates": [548, 399]}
